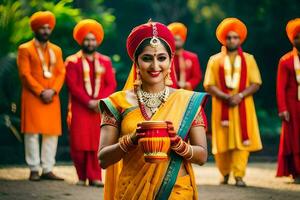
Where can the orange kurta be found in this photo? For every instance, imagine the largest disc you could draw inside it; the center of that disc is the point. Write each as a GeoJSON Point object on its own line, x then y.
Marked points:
{"type": "Point", "coordinates": [36, 116]}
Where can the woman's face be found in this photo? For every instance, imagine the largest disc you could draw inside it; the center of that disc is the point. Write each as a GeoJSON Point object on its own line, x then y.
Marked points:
{"type": "Point", "coordinates": [153, 64]}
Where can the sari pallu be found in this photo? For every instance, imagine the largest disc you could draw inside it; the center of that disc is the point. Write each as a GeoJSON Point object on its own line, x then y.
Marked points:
{"type": "Point", "coordinates": [141, 180]}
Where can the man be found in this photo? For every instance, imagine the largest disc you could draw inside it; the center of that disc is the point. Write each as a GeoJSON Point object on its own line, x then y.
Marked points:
{"type": "Point", "coordinates": [232, 77]}
{"type": "Point", "coordinates": [42, 73]}
{"type": "Point", "coordinates": [288, 99]}
{"type": "Point", "coordinates": [89, 78]}
{"type": "Point", "coordinates": [187, 65]}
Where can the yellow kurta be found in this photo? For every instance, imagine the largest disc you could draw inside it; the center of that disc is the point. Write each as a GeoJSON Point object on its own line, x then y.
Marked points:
{"type": "Point", "coordinates": [229, 138]}
{"type": "Point", "coordinates": [138, 179]}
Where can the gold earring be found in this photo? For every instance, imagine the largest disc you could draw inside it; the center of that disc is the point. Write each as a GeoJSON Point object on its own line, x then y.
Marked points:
{"type": "Point", "coordinates": [138, 80]}
{"type": "Point", "coordinates": [168, 80]}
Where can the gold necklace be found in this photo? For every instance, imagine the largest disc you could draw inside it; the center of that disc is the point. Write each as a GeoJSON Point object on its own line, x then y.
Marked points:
{"type": "Point", "coordinates": [152, 100]}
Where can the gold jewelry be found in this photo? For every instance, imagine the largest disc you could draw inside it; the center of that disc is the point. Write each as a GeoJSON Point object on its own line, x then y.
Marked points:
{"type": "Point", "coordinates": [138, 80]}
{"type": "Point", "coordinates": [168, 80]}
{"type": "Point", "coordinates": [154, 42]}
{"type": "Point", "coordinates": [126, 143]}
{"type": "Point", "coordinates": [152, 100]}
{"type": "Point", "coordinates": [192, 153]}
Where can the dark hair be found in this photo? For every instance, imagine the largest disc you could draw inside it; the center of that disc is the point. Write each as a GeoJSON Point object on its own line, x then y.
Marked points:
{"type": "Point", "coordinates": [145, 43]}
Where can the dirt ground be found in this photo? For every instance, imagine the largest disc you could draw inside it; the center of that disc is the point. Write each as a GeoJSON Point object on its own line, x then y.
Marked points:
{"type": "Point", "coordinates": [262, 185]}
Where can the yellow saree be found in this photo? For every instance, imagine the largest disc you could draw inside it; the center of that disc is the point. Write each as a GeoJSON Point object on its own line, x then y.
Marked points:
{"type": "Point", "coordinates": [138, 179]}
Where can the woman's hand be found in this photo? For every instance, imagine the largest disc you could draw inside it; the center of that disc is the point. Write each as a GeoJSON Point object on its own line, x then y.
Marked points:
{"type": "Point", "coordinates": [139, 133]}
{"type": "Point", "coordinates": [175, 139]}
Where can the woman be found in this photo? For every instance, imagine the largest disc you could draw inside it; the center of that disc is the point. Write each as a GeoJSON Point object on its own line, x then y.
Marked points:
{"type": "Point", "coordinates": [148, 97]}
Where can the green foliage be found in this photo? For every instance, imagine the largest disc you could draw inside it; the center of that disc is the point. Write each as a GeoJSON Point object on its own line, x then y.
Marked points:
{"type": "Point", "coordinates": [13, 26]}
{"type": "Point", "coordinates": [15, 29]}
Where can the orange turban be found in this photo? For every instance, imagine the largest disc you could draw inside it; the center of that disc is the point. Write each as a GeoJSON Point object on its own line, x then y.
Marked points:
{"type": "Point", "coordinates": [88, 26]}
{"type": "Point", "coordinates": [293, 28]}
{"type": "Point", "coordinates": [40, 18]}
{"type": "Point", "coordinates": [231, 24]}
{"type": "Point", "coordinates": [178, 28]}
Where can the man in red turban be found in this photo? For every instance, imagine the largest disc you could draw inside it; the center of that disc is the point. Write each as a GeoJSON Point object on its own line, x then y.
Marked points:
{"type": "Point", "coordinates": [187, 65]}
{"type": "Point", "coordinates": [232, 77]}
{"type": "Point", "coordinates": [42, 74]}
{"type": "Point", "coordinates": [288, 100]}
{"type": "Point", "coordinates": [89, 77]}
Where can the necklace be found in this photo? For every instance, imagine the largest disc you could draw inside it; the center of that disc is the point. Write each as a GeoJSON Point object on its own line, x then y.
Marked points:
{"type": "Point", "coordinates": [232, 80]}
{"type": "Point", "coordinates": [151, 100]}
{"type": "Point", "coordinates": [47, 70]}
{"type": "Point", "coordinates": [99, 71]}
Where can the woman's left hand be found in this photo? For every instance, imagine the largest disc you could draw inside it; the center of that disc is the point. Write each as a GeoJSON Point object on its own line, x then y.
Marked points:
{"type": "Point", "coordinates": [172, 134]}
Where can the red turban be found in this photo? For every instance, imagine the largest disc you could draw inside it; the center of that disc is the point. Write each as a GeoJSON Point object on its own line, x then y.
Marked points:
{"type": "Point", "coordinates": [88, 26]}
{"type": "Point", "coordinates": [41, 18]}
{"type": "Point", "coordinates": [178, 28]}
{"type": "Point", "coordinates": [231, 24]}
{"type": "Point", "coordinates": [145, 31]}
{"type": "Point", "coordinates": [293, 28]}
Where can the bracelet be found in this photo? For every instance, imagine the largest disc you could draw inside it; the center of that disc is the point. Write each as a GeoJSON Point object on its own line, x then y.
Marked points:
{"type": "Point", "coordinates": [126, 143]}
{"type": "Point", "coordinates": [182, 148]}
{"type": "Point", "coordinates": [192, 153]}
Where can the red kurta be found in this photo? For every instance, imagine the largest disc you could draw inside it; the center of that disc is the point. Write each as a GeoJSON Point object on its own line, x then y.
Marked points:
{"type": "Point", "coordinates": [193, 74]}
{"type": "Point", "coordinates": [85, 124]}
{"type": "Point", "coordinates": [289, 148]}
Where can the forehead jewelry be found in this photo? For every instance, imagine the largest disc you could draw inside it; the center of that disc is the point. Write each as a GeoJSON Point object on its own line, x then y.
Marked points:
{"type": "Point", "coordinates": [154, 42]}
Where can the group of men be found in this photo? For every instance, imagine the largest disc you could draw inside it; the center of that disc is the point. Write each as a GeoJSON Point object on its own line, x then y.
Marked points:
{"type": "Point", "coordinates": [89, 77]}
{"type": "Point", "coordinates": [232, 77]}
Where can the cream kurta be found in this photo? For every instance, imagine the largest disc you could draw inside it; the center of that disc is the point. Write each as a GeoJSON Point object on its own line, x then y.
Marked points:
{"type": "Point", "coordinates": [229, 138]}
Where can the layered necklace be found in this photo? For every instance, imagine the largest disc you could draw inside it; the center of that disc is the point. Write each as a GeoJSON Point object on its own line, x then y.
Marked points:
{"type": "Point", "coordinates": [47, 70]}
{"type": "Point", "coordinates": [99, 70]}
{"type": "Point", "coordinates": [232, 79]}
{"type": "Point", "coordinates": [151, 100]}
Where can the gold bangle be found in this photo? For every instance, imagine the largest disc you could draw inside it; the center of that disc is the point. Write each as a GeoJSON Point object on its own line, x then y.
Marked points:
{"type": "Point", "coordinates": [192, 153]}
{"type": "Point", "coordinates": [122, 148]}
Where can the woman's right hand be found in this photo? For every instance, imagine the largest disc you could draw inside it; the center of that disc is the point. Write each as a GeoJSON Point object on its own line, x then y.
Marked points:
{"type": "Point", "coordinates": [139, 133]}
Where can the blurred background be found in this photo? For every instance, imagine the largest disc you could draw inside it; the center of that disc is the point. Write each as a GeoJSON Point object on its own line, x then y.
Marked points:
{"type": "Point", "coordinates": [267, 41]}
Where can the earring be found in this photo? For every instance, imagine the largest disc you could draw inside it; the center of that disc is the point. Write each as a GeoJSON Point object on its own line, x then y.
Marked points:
{"type": "Point", "coordinates": [138, 80]}
{"type": "Point", "coordinates": [168, 80]}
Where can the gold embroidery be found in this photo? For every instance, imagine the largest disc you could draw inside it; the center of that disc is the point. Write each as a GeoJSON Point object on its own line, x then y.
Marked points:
{"type": "Point", "coordinates": [108, 119]}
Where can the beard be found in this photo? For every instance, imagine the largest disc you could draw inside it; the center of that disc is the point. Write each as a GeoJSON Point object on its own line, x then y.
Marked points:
{"type": "Point", "coordinates": [42, 37]}
{"type": "Point", "coordinates": [232, 48]}
{"type": "Point", "coordinates": [88, 50]}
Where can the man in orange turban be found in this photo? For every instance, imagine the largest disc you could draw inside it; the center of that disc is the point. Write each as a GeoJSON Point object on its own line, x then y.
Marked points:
{"type": "Point", "coordinates": [42, 73]}
{"type": "Point", "coordinates": [187, 65]}
{"type": "Point", "coordinates": [232, 77]}
{"type": "Point", "coordinates": [90, 77]}
{"type": "Point", "coordinates": [288, 100]}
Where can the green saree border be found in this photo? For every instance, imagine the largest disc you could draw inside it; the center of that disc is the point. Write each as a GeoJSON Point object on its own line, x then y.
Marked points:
{"type": "Point", "coordinates": [170, 177]}
{"type": "Point", "coordinates": [111, 108]}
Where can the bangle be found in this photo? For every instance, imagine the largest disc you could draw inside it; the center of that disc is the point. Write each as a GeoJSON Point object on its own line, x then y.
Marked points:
{"type": "Point", "coordinates": [126, 143]}
{"type": "Point", "coordinates": [192, 153]}
{"type": "Point", "coordinates": [241, 95]}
